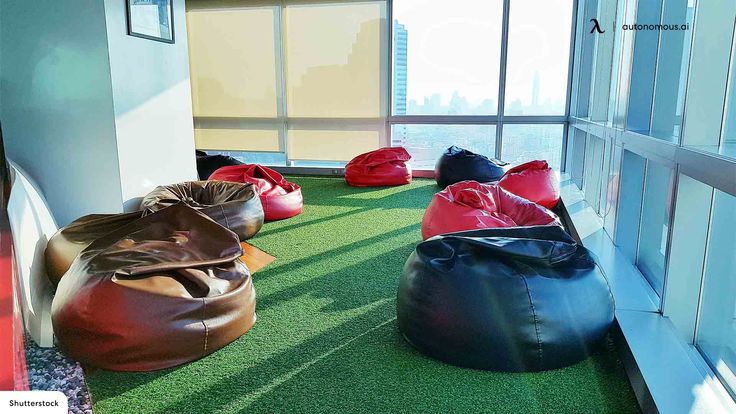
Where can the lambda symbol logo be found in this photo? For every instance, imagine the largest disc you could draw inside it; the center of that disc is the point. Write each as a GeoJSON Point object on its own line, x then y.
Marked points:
{"type": "Point", "coordinates": [596, 26]}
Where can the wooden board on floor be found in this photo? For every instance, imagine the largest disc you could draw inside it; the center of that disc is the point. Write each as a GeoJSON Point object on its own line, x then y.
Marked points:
{"type": "Point", "coordinates": [255, 258]}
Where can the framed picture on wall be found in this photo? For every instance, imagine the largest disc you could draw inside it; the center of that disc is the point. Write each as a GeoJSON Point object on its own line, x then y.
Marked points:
{"type": "Point", "coordinates": [151, 19]}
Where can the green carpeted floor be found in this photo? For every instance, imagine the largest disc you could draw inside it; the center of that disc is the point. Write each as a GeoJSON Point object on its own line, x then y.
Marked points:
{"type": "Point", "coordinates": [326, 337]}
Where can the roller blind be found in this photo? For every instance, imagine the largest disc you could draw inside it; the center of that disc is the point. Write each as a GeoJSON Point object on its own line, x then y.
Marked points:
{"type": "Point", "coordinates": [282, 63]}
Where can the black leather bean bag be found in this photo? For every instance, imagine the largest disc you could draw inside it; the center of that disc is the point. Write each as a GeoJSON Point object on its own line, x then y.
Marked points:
{"type": "Point", "coordinates": [235, 206]}
{"type": "Point", "coordinates": [504, 299]}
{"type": "Point", "coordinates": [457, 164]}
{"type": "Point", "coordinates": [207, 164]}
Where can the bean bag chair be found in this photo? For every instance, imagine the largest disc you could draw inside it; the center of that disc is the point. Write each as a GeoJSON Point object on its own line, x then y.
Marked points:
{"type": "Point", "coordinates": [534, 181]}
{"type": "Point", "coordinates": [504, 299]}
{"type": "Point", "coordinates": [235, 206]}
{"type": "Point", "coordinates": [67, 243]}
{"type": "Point", "coordinates": [382, 167]}
{"type": "Point", "coordinates": [280, 198]}
{"type": "Point", "coordinates": [207, 164]}
{"type": "Point", "coordinates": [162, 290]}
{"type": "Point", "coordinates": [457, 164]}
{"type": "Point", "coordinates": [470, 205]}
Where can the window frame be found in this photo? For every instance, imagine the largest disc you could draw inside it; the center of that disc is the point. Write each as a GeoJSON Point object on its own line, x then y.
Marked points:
{"type": "Point", "coordinates": [499, 119]}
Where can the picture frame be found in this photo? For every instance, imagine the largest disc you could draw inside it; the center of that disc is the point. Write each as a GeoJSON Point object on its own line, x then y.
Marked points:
{"type": "Point", "coordinates": [151, 19]}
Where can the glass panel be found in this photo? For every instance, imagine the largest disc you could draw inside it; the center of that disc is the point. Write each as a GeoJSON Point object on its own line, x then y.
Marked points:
{"type": "Point", "coordinates": [232, 62]}
{"type": "Point", "coordinates": [687, 254]}
{"type": "Point", "coordinates": [333, 59]}
{"type": "Point", "coordinates": [426, 143]}
{"type": "Point", "coordinates": [330, 145]}
{"type": "Point", "coordinates": [708, 74]}
{"type": "Point", "coordinates": [633, 167]}
{"type": "Point", "coordinates": [654, 224]}
{"type": "Point", "coordinates": [618, 35]}
{"type": "Point", "coordinates": [671, 75]}
{"type": "Point", "coordinates": [538, 54]}
{"type": "Point", "coordinates": [593, 169]}
{"type": "Point", "coordinates": [584, 72]}
{"type": "Point", "coordinates": [522, 143]}
{"type": "Point", "coordinates": [644, 61]}
{"type": "Point", "coordinates": [436, 48]}
{"type": "Point", "coordinates": [727, 145]}
{"type": "Point", "coordinates": [264, 158]}
{"type": "Point", "coordinates": [236, 139]}
{"type": "Point", "coordinates": [717, 323]}
{"type": "Point", "coordinates": [603, 60]}
{"type": "Point", "coordinates": [612, 192]}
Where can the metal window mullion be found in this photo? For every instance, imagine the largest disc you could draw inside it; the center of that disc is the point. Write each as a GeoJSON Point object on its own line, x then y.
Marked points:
{"type": "Point", "coordinates": [502, 77]}
{"type": "Point", "coordinates": [568, 97]}
{"type": "Point", "coordinates": [281, 93]}
{"type": "Point", "coordinates": [390, 86]}
{"type": "Point", "coordinates": [704, 268]}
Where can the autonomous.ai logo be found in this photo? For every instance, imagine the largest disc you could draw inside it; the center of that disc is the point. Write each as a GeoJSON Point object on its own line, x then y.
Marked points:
{"type": "Point", "coordinates": [596, 26]}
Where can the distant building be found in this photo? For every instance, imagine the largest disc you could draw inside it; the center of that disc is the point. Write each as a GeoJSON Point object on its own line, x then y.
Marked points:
{"type": "Point", "coordinates": [399, 134]}
{"type": "Point", "coordinates": [535, 90]}
{"type": "Point", "coordinates": [399, 73]}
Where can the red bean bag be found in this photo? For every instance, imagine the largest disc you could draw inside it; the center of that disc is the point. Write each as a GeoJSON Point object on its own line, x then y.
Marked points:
{"type": "Point", "coordinates": [382, 167]}
{"type": "Point", "coordinates": [534, 181]}
{"type": "Point", "coordinates": [470, 205]}
{"type": "Point", "coordinates": [281, 199]}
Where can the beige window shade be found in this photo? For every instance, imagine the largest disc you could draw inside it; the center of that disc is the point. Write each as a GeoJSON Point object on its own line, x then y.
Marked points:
{"type": "Point", "coordinates": [322, 145]}
{"type": "Point", "coordinates": [233, 62]}
{"type": "Point", "coordinates": [333, 59]}
{"type": "Point", "coordinates": [236, 139]}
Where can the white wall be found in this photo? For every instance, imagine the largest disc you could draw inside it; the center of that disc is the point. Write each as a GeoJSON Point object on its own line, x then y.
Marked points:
{"type": "Point", "coordinates": [57, 113]}
{"type": "Point", "coordinates": [153, 110]}
{"type": "Point", "coordinates": [97, 117]}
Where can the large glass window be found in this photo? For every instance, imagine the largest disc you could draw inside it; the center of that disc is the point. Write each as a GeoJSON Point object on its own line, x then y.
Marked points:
{"type": "Point", "coordinates": [333, 59]}
{"type": "Point", "coordinates": [538, 57]}
{"type": "Point", "coordinates": [437, 50]}
{"type": "Point", "coordinates": [716, 336]}
{"type": "Point", "coordinates": [654, 225]}
{"type": "Point", "coordinates": [440, 74]}
{"type": "Point", "coordinates": [427, 142]}
{"type": "Point", "coordinates": [671, 73]}
{"type": "Point", "coordinates": [522, 143]}
{"type": "Point", "coordinates": [302, 82]}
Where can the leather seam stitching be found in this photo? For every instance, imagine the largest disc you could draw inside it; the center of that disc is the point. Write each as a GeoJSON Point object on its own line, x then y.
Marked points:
{"type": "Point", "coordinates": [534, 316]}
{"type": "Point", "coordinates": [224, 216]}
{"type": "Point", "coordinates": [206, 330]}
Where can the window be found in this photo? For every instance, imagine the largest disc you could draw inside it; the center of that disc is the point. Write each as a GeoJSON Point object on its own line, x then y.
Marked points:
{"type": "Point", "coordinates": [654, 225]}
{"type": "Point", "coordinates": [437, 64]}
{"type": "Point", "coordinates": [522, 143]}
{"type": "Point", "coordinates": [254, 157]}
{"type": "Point", "coordinates": [446, 87]}
{"type": "Point", "coordinates": [538, 57]}
{"type": "Point", "coordinates": [671, 73]}
{"type": "Point", "coordinates": [426, 143]}
{"type": "Point", "coordinates": [716, 334]}
{"type": "Point", "coordinates": [710, 62]}
{"type": "Point", "coordinates": [333, 59]}
{"type": "Point", "coordinates": [643, 64]}
{"type": "Point", "coordinates": [286, 83]}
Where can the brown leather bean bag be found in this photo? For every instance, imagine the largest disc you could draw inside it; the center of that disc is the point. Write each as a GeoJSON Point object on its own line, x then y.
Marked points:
{"type": "Point", "coordinates": [235, 206]}
{"type": "Point", "coordinates": [68, 242]}
{"type": "Point", "coordinates": [281, 199]}
{"type": "Point", "coordinates": [470, 205]}
{"type": "Point", "coordinates": [161, 290]}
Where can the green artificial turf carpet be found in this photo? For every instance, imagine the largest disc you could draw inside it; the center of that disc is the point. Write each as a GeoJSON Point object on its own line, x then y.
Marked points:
{"type": "Point", "coordinates": [326, 339]}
